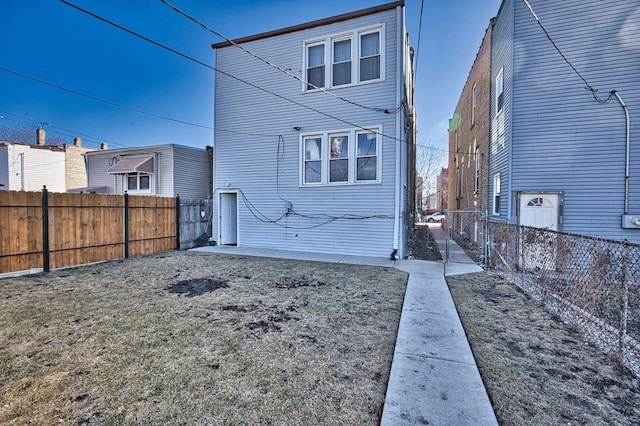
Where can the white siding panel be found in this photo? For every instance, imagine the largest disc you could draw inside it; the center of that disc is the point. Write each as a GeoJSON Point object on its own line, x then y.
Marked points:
{"type": "Point", "coordinates": [191, 172]}
{"type": "Point", "coordinates": [34, 168]}
{"type": "Point", "coordinates": [263, 163]}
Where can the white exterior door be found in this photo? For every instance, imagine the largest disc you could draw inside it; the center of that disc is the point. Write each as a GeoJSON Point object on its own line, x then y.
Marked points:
{"type": "Point", "coordinates": [228, 218]}
{"type": "Point", "coordinates": [539, 211]}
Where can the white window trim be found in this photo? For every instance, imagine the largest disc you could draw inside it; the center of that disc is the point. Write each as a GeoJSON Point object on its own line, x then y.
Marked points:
{"type": "Point", "coordinates": [497, 190]}
{"type": "Point", "coordinates": [476, 176]}
{"type": "Point", "coordinates": [354, 36]}
{"type": "Point", "coordinates": [500, 82]}
{"type": "Point", "coordinates": [325, 157]}
{"type": "Point", "coordinates": [151, 189]}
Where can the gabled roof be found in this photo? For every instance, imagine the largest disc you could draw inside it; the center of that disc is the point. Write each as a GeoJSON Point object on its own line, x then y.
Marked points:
{"type": "Point", "coordinates": [313, 24]}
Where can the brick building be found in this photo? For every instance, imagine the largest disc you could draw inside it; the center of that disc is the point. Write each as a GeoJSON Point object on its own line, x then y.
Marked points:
{"type": "Point", "coordinates": [469, 135]}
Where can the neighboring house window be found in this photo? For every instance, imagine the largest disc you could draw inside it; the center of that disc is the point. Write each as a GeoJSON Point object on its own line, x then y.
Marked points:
{"type": "Point", "coordinates": [476, 184]}
{"type": "Point", "coordinates": [341, 62]}
{"type": "Point", "coordinates": [355, 57]}
{"type": "Point", "coordinates": [496, 194]}
{"type": "Point", "coordinates": [460, 182]}
{"type": "Point", "coordinates": [346, 157]}
{"type": "Point", "coordinates": [315, 66]}
{"type": "Point", "coordinates": [473, 104]}
{"type": "Point", "coordinates": [370, 56]}
{"type": "Point", "coordinates": [138, 182]}
{"type": "Point", "coordinates": [500, 90]}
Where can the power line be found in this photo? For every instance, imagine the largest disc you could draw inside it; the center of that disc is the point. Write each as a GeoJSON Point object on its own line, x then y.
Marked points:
{"type": "Point", "coordinates": [271, 64]}
{"type": "Point", "coordinates": [546, 33]}
{"type": "Point", "coordinates": [226, 73]}
{"type": "Point", "coordinates": [415, 72]}
{"type": "Point", "coordinates": [95, 98]}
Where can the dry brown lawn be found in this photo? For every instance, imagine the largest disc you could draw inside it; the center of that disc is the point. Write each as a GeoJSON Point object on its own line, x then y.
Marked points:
{"type": "Point", "coordinates": [195, 338]}
{"type": "Point", "coordinates": [537, 370]}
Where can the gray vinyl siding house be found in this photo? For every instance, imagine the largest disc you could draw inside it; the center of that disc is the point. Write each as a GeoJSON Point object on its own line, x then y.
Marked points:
{"type": "Point", "coordinates": [302, 169]}
{"type": "Point", "coordinates": [162, 170]}
{"type": "Point", "coordinates": [552, 144]}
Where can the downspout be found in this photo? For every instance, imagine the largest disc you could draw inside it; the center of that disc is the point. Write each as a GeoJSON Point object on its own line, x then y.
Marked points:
{"type": "Point", "coordinates": [398, 183]}
{"type": "Point", "coordinates": [626, 166]}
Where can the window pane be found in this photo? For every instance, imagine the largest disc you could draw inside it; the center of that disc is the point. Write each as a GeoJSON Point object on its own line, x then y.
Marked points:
{"type": "Point", "coordinates": [366, 168]}
{"type": "Point", "coordinates": [312, 171]}
{"type": "Point", "coordinates": [370, 68]}
{"type": "Point", "coordinates": [312, 149]}
{"type": "Point", "coordinates": [342, 73]}
{"type": "Point", "coordinates": [369, 44]}
{"type": "Point", "coordinates": [316, 56]}
{"type": "Point", "coordinates": [315, 77]}
{"type": "Point", "coordinates": [339, 170]}
{"type": "Point", "coordinates": [315, 66]}
{"type": "Point", "coordinates": [144, 181]}
{"type": "Point", "coordinates": [366, 144]}
{"type": "Point", "coordinates": [340, 147]}
{"type": "Point", "coordinates": [342, 51]}
{"type": "Point", "coordinates": [132, 182]}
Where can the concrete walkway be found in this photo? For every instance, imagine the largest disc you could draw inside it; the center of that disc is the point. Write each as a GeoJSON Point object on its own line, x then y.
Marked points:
{"type": "Point", "coordinates": [434, 378]}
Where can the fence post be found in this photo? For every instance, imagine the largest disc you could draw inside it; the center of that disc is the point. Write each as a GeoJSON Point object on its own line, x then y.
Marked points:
{"type": "Point", "coordinates": [177, 222]}
{"type": "Point", "coordinates": [45, 230]}
{"type": "Point", "coordinates": [624, 303]}
{"type": "Point", "coordinates": [126, 225]}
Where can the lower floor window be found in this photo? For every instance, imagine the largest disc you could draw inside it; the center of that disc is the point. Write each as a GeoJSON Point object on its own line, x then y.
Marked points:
{"type": "Point", "coordinates": [340, 157]}
{"type": "Point", "coordinates": [139, 182]}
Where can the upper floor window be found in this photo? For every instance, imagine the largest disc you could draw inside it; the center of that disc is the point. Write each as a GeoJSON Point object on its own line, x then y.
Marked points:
{"type": "Point", "coordinates": [473, 104]}
{"type": "Point", "coordinates": [355, 57]}
{"type": "Point", "coordinates": [500, 90]}
{"type": "Point", "coordinates": [315, 66]}
{"type": "Point", "coordinates": [345, 157]}
{"type": "Point", "coordinates": [341, 62]}
{"type": "Point", "coordinates": [370, 56]}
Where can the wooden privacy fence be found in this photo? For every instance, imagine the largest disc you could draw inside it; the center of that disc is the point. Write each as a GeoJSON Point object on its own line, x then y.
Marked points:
{"type": "Point", "coordinates": [40, 231]}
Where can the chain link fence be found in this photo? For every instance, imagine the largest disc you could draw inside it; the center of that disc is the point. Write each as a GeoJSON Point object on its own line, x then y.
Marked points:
{"type": "Point", "coordinates": [591, 284]}
{"type": "Point", "coordinates": [468, 228]}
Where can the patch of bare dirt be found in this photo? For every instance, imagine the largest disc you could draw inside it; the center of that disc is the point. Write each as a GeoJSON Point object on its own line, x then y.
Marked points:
{"type": "Point", "coordinates": [536, 369]}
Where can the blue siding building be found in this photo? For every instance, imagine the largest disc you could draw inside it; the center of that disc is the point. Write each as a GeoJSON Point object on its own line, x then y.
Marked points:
{"type": "Point", "coordinates": [315, 136]}
{"type": "Point", "coordinates": [564, 154]}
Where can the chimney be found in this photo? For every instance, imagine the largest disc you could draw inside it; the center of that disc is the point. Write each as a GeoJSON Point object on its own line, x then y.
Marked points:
{"type": "Point", "coordinates": [104, 146]}
{"type": "Point", "coordinates": [77, 142]}
{"type": "Point", "coordinates": [40, 136]}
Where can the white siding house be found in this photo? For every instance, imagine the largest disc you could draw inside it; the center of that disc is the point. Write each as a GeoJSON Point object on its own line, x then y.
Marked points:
{"type": "Point", "coordinates": [29, 167]}
{"type": "Point", "coordinates": [164, 170]}
{"type": "Point", "coordinates": [563, 153]}
{"type": "Point", "coordinates": [315, 149]}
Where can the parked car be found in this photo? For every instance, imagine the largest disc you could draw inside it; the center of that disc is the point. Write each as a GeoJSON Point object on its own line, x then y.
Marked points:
{"type": "Point", "coordinates": [435, 217]}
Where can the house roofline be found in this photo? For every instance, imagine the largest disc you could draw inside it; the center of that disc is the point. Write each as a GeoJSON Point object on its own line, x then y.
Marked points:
{"type": "Point", "coordinates": [142, 148]}
{"type": "Point", "coordinates": [312, 24]}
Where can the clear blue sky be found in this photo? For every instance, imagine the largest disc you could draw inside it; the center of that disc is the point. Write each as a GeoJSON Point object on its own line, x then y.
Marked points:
{"type": "Point", "coordinates": [51, 41]}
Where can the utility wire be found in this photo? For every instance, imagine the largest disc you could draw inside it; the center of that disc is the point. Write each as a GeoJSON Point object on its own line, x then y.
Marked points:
{"type": "Point", "coordinates": [228, 74]}
{"type": "Point", "coordinates": [271, 64]}
{"type": "Point", "coordinates": [415, 71]}
{"type": "Point", "coordinates": [546, 33]}
{"type": "Point", "coordinates": [95, 98]}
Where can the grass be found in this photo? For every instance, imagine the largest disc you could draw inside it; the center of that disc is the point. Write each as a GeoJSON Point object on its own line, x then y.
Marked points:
{"type": "Point", "coordinates": [193, 338]}
{"type": "Point", "coordinates": [536, 369]}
